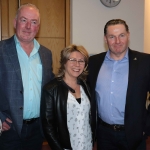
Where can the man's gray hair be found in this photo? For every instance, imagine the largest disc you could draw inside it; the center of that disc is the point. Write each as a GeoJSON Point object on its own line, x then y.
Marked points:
{"type": "Point", "coordinates": [27, 5]}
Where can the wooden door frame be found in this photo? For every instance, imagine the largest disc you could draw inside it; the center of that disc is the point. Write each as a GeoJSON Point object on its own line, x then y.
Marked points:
{"type": "Point", "coordinates": [68, 23]}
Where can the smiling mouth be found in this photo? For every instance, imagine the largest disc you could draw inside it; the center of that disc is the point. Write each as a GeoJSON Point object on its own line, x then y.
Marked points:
{"type": "Point", "coordinates": [118, 46]}
{"type": "Point", "coordinates": [27, 32]}
{"type": "Point", "coordinates": [76, 70]}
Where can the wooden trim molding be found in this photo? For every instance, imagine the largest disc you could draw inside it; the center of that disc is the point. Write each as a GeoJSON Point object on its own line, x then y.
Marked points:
{"type": "Point", "coordinates": [67, 23]}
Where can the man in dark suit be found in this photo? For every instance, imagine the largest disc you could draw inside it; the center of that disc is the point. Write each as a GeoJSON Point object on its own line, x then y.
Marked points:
{"type": "Point", "coordinates": [119, 81]}
{"type": "Point", "coordinates": [25, 66]}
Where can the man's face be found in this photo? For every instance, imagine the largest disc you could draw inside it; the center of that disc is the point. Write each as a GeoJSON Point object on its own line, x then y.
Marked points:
{"type": "Point", "coordinates": [27, 24]}
{"type": "Point", "coordinates": [117, 39]}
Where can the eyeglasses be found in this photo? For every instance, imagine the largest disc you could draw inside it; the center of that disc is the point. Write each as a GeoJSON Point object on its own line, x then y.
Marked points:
{"type": "Point", "coordinates": [74, 61]}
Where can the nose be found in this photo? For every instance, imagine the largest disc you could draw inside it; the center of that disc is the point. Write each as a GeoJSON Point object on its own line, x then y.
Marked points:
{"type": "Point", "coordinates": [77, 63]}
{"type": "Point", "coordinates": [28, 24]}
{"type": "Point", "coordinates": [117, 40]}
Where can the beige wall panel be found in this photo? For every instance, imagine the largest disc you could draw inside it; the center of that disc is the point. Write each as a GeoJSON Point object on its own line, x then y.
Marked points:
{"type": "Point", "coordinates": [55, 45]}
{"type": "Point", "coordinates": [13, 7]}
{"type": "Point", "coordinates": [52, 17]}
{"type": "Point", "coordinates": [4, 23]}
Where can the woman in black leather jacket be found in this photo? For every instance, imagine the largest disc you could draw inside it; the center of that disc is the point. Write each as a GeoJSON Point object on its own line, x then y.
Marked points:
{"type": "Point", "coordinates": [65, 104]}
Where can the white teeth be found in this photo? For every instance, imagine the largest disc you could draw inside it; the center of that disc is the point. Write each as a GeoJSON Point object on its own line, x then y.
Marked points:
{"type": "Point", "coordinates": [76, 70]}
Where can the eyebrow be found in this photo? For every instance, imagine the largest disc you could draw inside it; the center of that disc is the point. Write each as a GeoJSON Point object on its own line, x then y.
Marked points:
{"type": "Point", "coordinates": [29, 19]}
{"type": "Point", "coordinates": [76, 58]}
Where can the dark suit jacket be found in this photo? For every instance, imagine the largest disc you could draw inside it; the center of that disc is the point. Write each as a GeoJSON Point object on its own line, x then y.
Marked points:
{"type": "Point", "coordinates": [11, 86]}
{"type": "Point", "coordinates": [138, 86]}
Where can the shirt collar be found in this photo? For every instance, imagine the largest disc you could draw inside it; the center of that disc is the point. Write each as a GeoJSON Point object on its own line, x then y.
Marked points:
{"type": "Point", "coordinates": [126, 57]}
{"type": "Point", "coordinates": [35, 48]}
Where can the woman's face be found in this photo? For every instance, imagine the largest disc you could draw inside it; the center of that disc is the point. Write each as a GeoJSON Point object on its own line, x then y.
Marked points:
{"type": "Point", "coordinates": [75, 65]}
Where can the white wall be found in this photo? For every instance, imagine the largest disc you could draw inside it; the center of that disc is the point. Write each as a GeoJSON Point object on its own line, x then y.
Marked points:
{"type": "Point", "coordinates": [90, 16]}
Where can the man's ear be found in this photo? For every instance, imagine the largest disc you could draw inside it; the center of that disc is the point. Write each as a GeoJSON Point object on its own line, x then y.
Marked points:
{"type": "Point", "coordinates": [105, 39]}
{"type": "Point", "coordinates": [14, 22]}
{"type": "Point", "coordinates": [129, 35]}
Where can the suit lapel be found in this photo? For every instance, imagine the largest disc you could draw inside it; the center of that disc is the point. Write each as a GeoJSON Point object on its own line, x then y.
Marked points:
{"type": "Point", "coordinates": [133, 64]}
{"type": "Point", "coordinates": [12, 54]}
{"type": "Point", "coordinates": [43, 64]}
{"type": "Point", "coordinates": [97, 67]}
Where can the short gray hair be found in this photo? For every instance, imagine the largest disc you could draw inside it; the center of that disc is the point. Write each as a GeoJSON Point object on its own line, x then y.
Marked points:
{"type": "Point", "coordinates": [27, 5]}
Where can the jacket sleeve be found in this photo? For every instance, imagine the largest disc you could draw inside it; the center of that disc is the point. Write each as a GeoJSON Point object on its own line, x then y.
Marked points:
{"type": "Point", "coordinates": [147, 127]}
{"type": "Point", "coordinates": [49, 122]}
{"type": "Point", "coordinates": [3, 107]}
{"type": "Point", "coordinates": [2, 117]}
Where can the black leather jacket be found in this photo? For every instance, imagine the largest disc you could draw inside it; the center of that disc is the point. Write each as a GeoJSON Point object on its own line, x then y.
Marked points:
{"type": "Point", "coordinates": [54, 113]}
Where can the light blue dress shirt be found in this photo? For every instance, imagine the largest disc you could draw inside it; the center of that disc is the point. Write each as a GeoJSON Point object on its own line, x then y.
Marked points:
{"type": "Point", "coordinates": [31, 71]}
{"type": "Point", "coordinates": [111, 89]}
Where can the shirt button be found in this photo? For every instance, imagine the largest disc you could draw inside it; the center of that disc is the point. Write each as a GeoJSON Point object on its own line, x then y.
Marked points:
{"type": "Point", "coordinates": [111, 92]}
{"type": "Point", "coordinates": [21, 108]}
{"type": "Point", "coordinates": [21, 92]}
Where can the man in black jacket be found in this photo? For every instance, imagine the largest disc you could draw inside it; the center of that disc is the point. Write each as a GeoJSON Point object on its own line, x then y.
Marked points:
{"type": "Point", "coordinates": [119, 81]}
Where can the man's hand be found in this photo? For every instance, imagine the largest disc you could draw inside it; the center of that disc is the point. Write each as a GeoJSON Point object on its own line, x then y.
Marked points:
{"type": "Point", "coordinates": [5, 125]}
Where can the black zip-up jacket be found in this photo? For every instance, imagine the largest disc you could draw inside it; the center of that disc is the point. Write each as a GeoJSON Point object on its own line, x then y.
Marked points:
{"type": "Point", "coordinates": [54, 113]}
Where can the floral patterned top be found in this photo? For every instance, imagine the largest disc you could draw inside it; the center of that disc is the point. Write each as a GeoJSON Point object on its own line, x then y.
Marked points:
{"type": "Point", "coordinates": [78, 122]}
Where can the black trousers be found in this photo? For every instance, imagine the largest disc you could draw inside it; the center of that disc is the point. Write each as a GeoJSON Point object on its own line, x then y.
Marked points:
{"type": "Point", "coordinates": [108, 139]}
{"type": "Point", "coordinates": [31, 138]}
